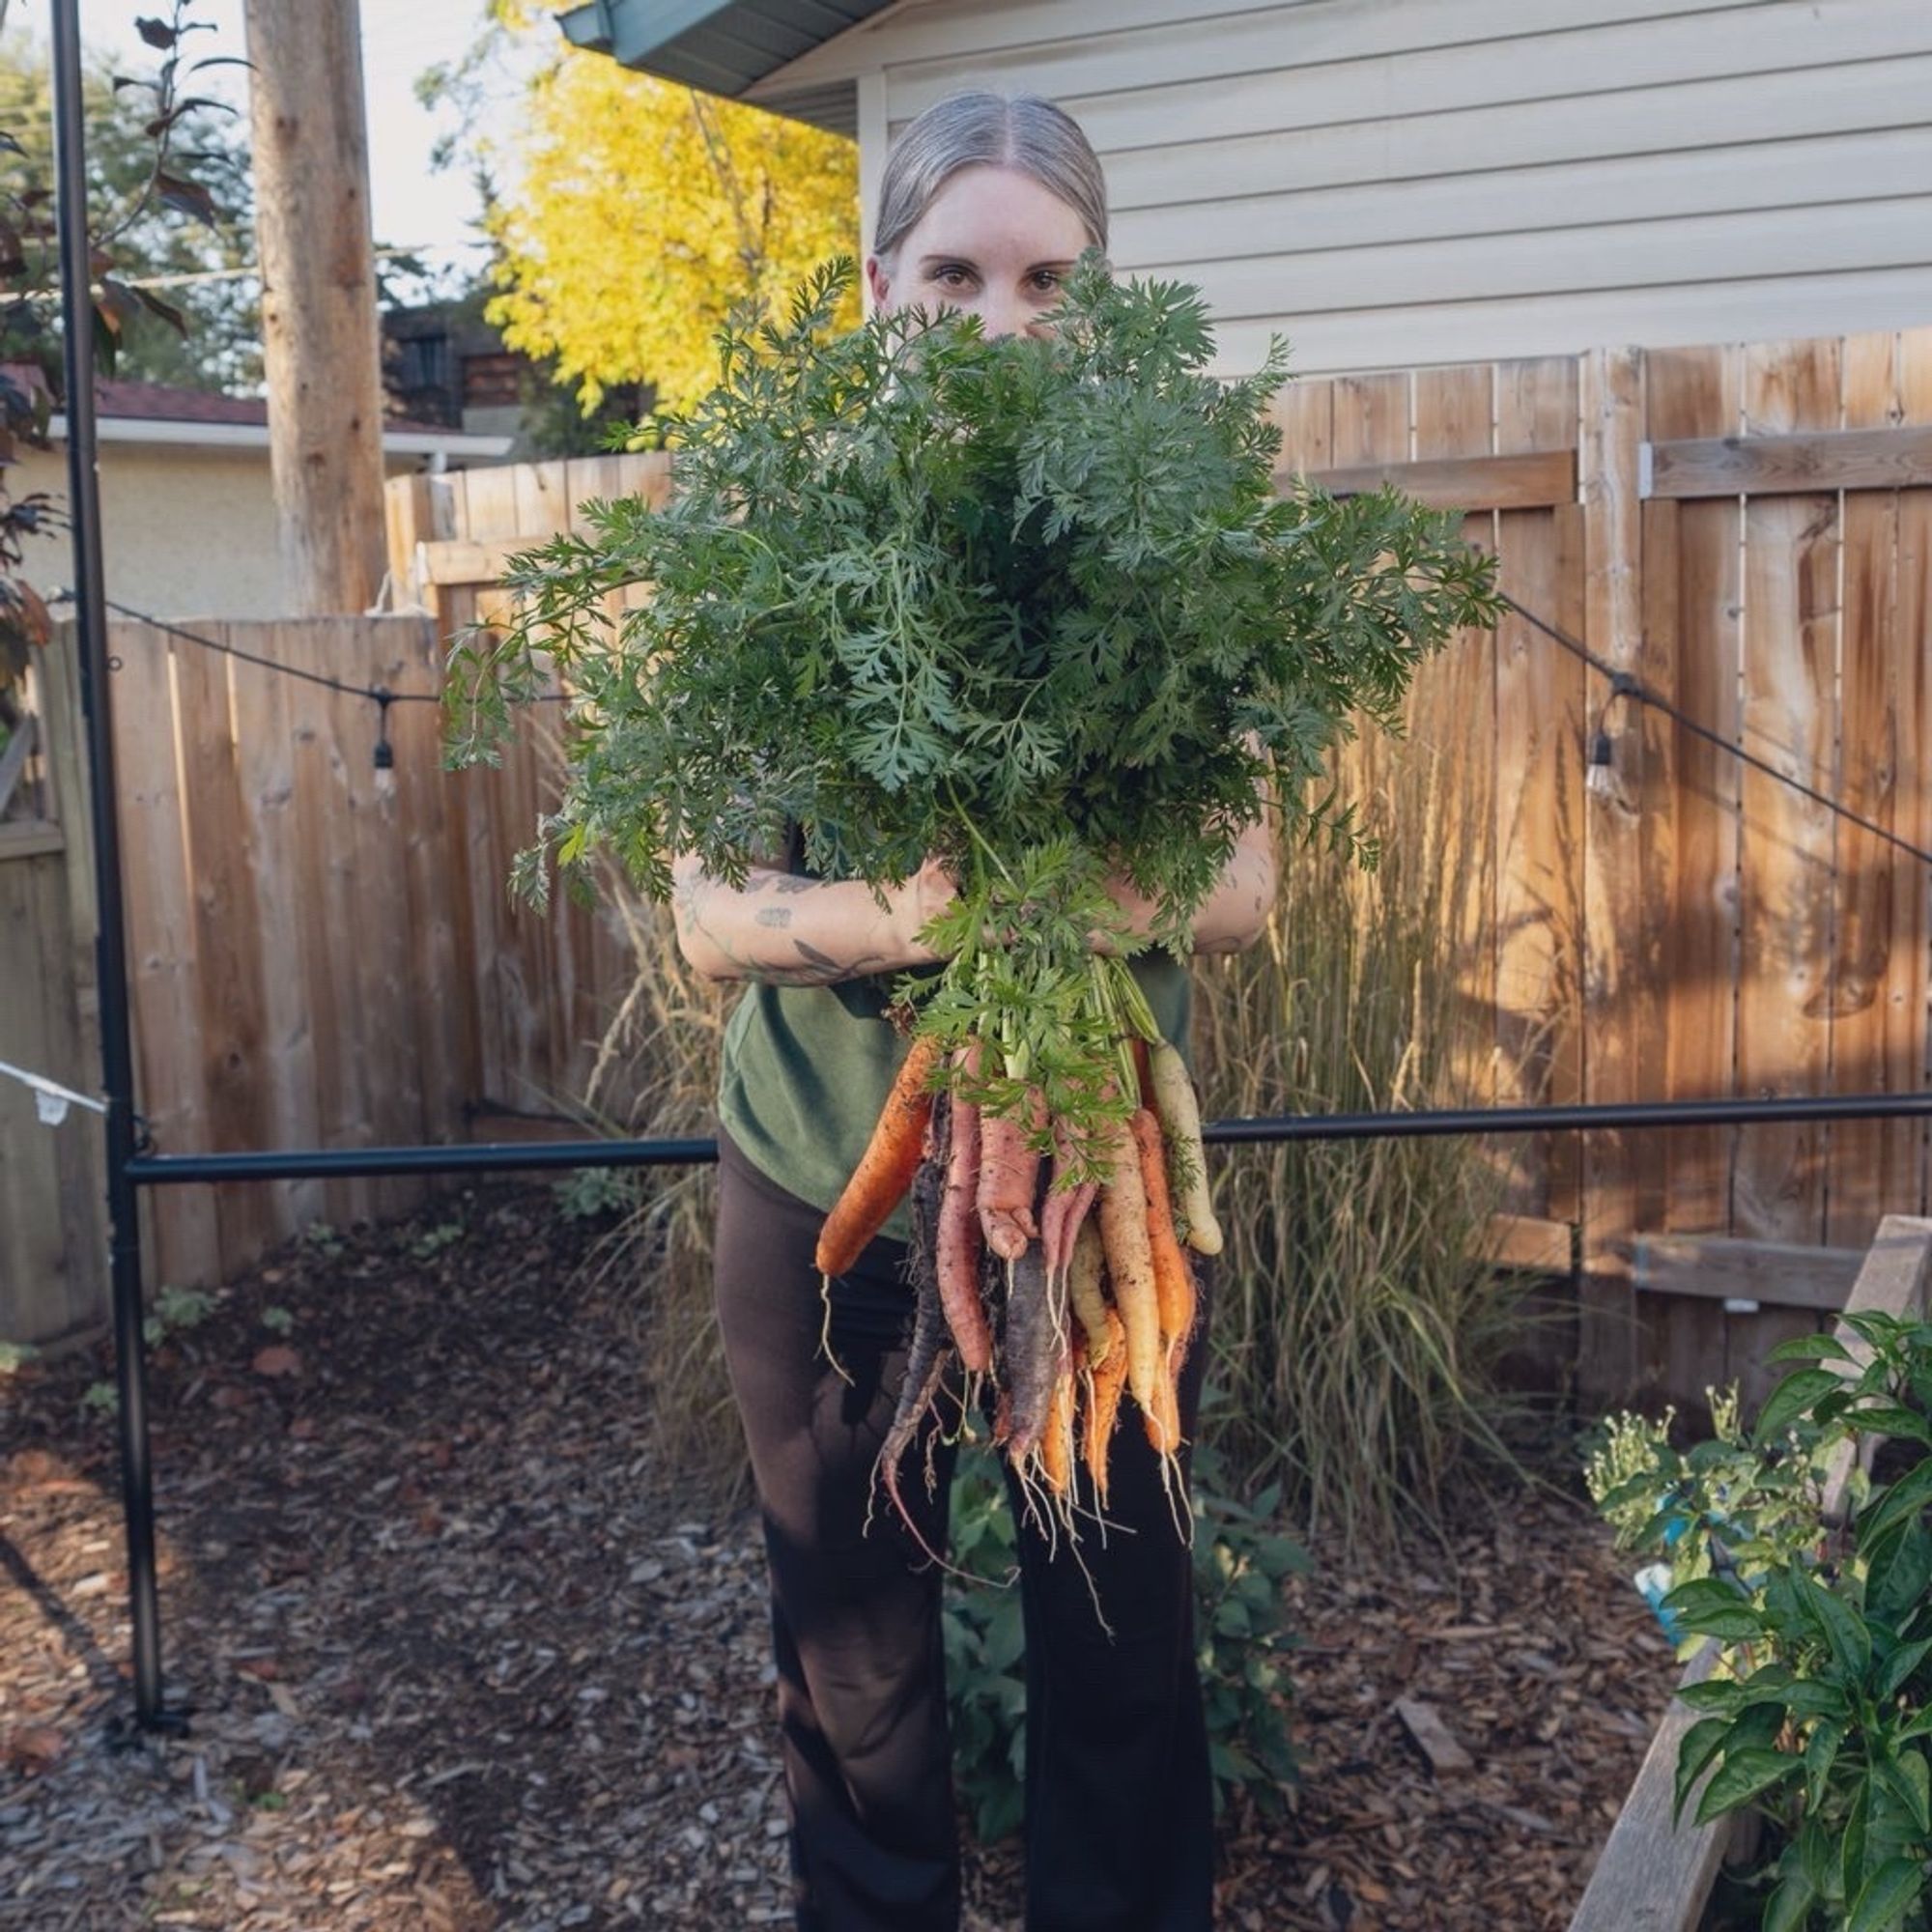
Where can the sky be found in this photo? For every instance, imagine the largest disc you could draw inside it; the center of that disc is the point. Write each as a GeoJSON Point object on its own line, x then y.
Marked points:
{"type": "Point", "coordinates": [409, 206]}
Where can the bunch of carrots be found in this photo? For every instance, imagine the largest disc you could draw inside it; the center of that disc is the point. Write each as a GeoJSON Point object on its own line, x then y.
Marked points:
{"type": "Point", "coordinates": [1066, 1292]}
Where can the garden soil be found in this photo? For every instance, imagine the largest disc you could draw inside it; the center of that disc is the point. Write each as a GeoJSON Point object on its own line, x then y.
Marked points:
{"type": "Point", "coordinates": [456, 1658]}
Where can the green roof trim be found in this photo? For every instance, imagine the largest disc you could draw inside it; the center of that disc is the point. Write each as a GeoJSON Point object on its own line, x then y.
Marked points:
{"type": "Point", "coordinates": [724, 47]}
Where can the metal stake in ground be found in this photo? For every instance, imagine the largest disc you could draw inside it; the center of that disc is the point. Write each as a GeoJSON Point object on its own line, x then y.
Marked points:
{"type": "Point", "coordinates": [117, 1059]}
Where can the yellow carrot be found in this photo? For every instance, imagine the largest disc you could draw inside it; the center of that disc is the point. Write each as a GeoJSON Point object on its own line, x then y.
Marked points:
{"type": "Point", "coordinates": [1179, 1111]}
{"type": "Point", "coordinates": [1124, 1234]}
{"type": "Point", "coordinates": [1090, 1302]}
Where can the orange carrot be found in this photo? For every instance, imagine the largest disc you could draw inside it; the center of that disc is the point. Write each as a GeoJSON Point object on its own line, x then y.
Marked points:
{"type": "Point", "coordinates": [1107, 1375]}
{"type": "Point", "coordinates": [1056, 1440]}
{"type": "Point", "coordinates": [885, 1171]}
{"type": "Point", "coordinates": [1124, 1234]}
{"type": "Point", "coordinates": [1173, 1280]}
{"type": "Point", "coordinates": [1009, 1174]}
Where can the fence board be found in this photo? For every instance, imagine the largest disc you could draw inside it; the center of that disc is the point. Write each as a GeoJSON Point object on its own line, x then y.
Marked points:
{"type": "Point", "coordinates": [516, 943]}
{"type": "Point", "coordinates": [1452, 704]}
{"type": "Point", "coordinates": [1369, 423]}
{"type": "Point", "coordinates": [426, 811]}
{"type": "Point", "coordinates": [1911, 903]}
{"type": "Point", "coordinates": [48, 1281]}
{"type": "Point", "coordinates": [368, 890]}
{"type": "Point", "coordinates": [180, 1222]}
{"type": "Point", "coordinates": [263, 746]}
{"type": "Point", "coordinates": [1612, 404]}
{"type": "Point", "coordinates": [330, 930]}
{"type": "Point", "coordinates": [1870, 1164]}
{"type": "Point", "coordinates": [1790, 718]}
{"type": "Point", "coordinates": [1540, 701]}
{"type": "Point", "coordinates": [1691, 573]}
{"type": "Point", "coordinates": [229, 932]}
{"type": "Point", "coordinates": [1790, 640]}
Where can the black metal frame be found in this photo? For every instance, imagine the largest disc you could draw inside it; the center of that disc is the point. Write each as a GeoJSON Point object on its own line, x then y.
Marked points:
{"type": "Point", "coordinates": [130, 1168]}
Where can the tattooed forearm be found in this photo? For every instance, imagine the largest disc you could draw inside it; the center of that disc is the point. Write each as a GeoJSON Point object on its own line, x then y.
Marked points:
{"type": "Point", "coordinates": [732, 933]}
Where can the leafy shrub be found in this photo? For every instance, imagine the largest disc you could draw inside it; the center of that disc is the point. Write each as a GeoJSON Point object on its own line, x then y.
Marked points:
{"type": "Point", "coordinates": [1818, 1711]}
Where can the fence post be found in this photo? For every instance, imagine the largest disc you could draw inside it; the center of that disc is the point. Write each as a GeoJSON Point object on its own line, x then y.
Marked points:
{"type": "Point", "coordinates": [1611, 433]}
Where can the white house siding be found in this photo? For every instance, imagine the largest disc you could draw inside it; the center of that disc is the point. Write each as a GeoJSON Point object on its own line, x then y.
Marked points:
{"type": "Point", "coordinates": [1390, 183]}
{"type": "Point", "coordinates": [185, 532]}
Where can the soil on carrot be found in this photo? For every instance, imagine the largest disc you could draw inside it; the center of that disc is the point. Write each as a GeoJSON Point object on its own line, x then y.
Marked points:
{"type": "Point", "coordinates": [456, 1657]}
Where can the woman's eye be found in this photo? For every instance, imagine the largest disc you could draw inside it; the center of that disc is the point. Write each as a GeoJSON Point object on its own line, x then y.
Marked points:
{"type": "Point", "coordinates": [1047, 280]}
{"type": "Point", "coordinates": [951, 277]}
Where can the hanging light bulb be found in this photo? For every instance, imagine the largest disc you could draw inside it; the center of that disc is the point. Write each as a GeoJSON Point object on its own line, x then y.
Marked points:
{"type": "Point", "coordinates": [1600, 781]}
{"type": "Point", "coordinates": [386, 752]}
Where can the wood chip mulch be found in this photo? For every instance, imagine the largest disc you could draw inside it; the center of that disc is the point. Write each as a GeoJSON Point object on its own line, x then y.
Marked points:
{"type": "Point", "coordinates": [455, 1660]}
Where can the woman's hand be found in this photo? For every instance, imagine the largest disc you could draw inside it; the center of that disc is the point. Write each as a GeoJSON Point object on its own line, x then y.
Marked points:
{"type": "Point", "coordinates": [1230, 917]}
{"type": "Point", "coordinates": [1137, 913]}
{"type": "Point", "coordinates": [922, 897]}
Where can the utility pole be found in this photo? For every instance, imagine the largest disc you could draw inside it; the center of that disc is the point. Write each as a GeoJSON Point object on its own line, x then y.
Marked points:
{"type": "Point", "coordinates": [319, 328]}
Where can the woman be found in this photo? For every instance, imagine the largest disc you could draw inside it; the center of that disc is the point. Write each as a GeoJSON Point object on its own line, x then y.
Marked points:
{"type": "Point", "coordinates": [984, 205]}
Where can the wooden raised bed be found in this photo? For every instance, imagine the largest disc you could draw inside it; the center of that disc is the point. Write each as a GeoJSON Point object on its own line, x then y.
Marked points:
{"type": "Point", "coordinates": [1651, 1878]}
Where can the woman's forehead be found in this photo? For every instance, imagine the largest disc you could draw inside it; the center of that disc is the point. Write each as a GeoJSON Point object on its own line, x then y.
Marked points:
{"type": "Point", "coordinates": [1003, 214]}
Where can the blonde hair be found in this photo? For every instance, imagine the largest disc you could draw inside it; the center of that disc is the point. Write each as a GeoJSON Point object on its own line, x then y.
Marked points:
{"type": "Point", "coordinates": [977, 128]}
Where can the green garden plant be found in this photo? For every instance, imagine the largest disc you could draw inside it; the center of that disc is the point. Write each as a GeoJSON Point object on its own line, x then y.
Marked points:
{"type": "Point", "coordinates": [1240, 1561]}
{"type": "Point", "coordinates": [1820, 1708]}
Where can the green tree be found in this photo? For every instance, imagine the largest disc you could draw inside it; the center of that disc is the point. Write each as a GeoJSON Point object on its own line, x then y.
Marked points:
{"type": "Point", "coordinates": [179, 243]}
{"type": "Point", "coordinates": [161, 175]}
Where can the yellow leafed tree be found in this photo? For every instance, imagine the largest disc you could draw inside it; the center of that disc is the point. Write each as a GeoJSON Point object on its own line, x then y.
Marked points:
{"type": "Point", "coordinates": [641, 210]}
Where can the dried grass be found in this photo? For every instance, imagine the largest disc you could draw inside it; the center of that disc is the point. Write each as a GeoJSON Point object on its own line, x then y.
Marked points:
{"type": "Point", "coordinates": [1357, 1328]}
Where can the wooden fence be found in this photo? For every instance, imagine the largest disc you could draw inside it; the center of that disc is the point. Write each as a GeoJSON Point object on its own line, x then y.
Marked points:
{"type": "Point", "coordinates": [53, 1257]}
{"type": "Point", "coordinates": [1747, 528]}
{"type": "Point", "coordinates": [1750, 536]}
{"type": "Point", "coordinates": [322, 953]}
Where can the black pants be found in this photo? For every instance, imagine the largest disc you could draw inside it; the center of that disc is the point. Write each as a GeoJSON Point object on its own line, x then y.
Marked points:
{"type": "Point", "coordinates": [1118, 1831]}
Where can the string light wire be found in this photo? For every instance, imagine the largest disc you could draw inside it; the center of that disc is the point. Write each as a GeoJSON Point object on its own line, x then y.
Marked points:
{"type": "Point", "coordinates": [1624, 685]}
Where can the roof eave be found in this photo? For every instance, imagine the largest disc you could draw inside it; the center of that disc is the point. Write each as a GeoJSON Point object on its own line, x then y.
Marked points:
{"type": "Point", "coordinates": [684, 41]}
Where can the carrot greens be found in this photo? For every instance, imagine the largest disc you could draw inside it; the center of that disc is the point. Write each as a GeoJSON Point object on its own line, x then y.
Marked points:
{"type": "Point", "coordinates": [1038, 605]}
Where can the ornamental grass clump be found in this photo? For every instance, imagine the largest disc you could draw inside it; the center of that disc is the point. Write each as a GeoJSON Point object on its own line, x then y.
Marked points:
{"type": "Point", "coordinates": [1036, 606]}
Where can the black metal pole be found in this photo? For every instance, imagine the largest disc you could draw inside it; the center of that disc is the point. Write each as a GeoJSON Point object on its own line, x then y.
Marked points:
{"type": "Point", "coordinates": [500, 1157]}
{"type": "Point", "coordinates": [117, 1058]}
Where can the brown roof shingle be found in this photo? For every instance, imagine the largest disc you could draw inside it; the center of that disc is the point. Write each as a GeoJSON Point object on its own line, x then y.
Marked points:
{"type": "Point", "coordinates": [164, 402]}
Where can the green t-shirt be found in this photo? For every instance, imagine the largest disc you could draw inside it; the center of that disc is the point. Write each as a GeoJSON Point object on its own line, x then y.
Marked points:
{"type": "Point", "coordinates": [807, 1071]}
